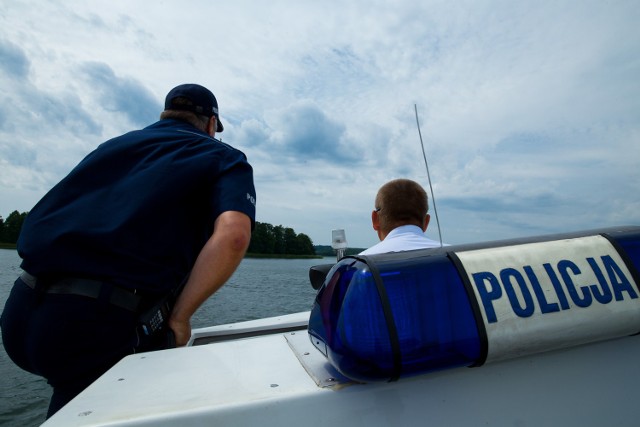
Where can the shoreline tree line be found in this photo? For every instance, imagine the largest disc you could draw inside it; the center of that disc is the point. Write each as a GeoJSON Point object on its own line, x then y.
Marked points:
{"type": "Point", "coordinates": [10, 227]}
{"type": "Point", "coordinates": [279, 240]}
{"type": "Point", "coordinates": [266, 238]}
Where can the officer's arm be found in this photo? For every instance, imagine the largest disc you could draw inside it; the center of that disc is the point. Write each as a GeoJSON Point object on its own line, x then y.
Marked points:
{"type": "Point", "coordinates": [216, 262]}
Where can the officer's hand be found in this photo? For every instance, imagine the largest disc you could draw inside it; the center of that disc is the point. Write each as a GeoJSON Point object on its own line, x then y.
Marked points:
{"type": "Point", "coordinates": [182, 331]}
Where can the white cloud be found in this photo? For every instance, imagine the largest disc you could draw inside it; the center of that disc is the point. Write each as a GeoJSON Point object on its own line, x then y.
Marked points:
{"type": "Point", "coordinates": [530, 111]}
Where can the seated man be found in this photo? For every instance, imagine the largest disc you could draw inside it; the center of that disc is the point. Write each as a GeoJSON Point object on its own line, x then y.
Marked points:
{"type": "Point", "coordinates": [400, 218]}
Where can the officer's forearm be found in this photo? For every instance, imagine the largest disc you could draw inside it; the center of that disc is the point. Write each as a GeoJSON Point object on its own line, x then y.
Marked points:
{"type": "Point", "coordinates": [216, 263]}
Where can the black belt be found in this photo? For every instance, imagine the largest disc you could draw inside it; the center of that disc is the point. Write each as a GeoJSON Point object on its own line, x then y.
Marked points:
{"type": "Point", "coordinates": [87, 288]}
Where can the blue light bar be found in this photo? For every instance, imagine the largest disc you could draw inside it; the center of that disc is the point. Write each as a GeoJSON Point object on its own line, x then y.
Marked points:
{"type": "Point", "coordinates": [382, 317]}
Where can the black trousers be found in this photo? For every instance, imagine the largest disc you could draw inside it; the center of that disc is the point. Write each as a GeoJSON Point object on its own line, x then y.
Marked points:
{"type": "Point", "coordinates": [69, 340]}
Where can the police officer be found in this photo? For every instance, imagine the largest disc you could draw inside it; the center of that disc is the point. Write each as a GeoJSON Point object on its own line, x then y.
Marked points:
{"type": "Point", "coordinates": [147, 226]}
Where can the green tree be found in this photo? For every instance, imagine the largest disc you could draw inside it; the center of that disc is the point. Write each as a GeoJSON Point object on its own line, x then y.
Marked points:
{"type": "Point", "coordinates": [262, 240]}
{"type": "Point", "coordinates": [11, 227]}
{"type": "Point", "coordinates": [269, 239]}
{"type": "Point", "coordinates": [305, 245]}
{"type": "Point", "coordinates": [278, 236]}
{"type": "Point", "coordinates": [289, 241]}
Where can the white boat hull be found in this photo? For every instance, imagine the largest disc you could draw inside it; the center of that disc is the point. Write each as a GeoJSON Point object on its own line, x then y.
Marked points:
{"type": "Point", "coordinates": [280, 379]}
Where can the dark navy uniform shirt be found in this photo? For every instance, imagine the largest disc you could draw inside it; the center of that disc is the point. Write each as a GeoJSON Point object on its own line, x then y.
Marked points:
{"type": "Point", "coordinates": [138, 209]}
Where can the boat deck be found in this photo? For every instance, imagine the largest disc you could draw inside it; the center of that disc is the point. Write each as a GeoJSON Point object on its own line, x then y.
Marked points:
{"type": "Point", "coordinates": [279, 378]}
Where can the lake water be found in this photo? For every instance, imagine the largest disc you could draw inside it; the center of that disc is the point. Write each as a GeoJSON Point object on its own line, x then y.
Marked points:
{"type": "Point", "coordinates": [259, 288]}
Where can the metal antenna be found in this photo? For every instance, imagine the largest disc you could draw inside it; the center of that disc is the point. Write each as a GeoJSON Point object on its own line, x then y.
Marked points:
{"type": "Point", "coordinates": [433, 197]}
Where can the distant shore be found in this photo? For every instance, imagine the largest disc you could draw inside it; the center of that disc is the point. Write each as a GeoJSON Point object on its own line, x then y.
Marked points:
{"type": "Point", "coordinates": [282, 256]}
{"type": "Point", "coordinates": [251, 255]}
{"type": "Point", "coordinates": [248, 255]}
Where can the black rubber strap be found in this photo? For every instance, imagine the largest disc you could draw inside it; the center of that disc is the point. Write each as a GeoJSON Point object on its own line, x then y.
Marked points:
{"type": "Point", "coordinates": [475, 307]}
{"type": "Point", "coordinates": [627, 261]}
{"type": "Point", "coordinates": [388, 315]}
{"type": "Point", "coordinates": [625, 258]}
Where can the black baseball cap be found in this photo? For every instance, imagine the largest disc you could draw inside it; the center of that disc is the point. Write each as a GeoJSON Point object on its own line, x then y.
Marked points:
{"type": "Point", "coordinates": [204, 102]}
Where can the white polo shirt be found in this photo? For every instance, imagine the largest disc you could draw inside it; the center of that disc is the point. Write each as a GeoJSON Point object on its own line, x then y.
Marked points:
{"type": "Point", "coordinates": [403, 238]}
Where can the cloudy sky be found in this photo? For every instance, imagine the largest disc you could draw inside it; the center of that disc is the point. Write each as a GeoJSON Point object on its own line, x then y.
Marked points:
{"type": "Point", "coordinates": [529, 111]}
